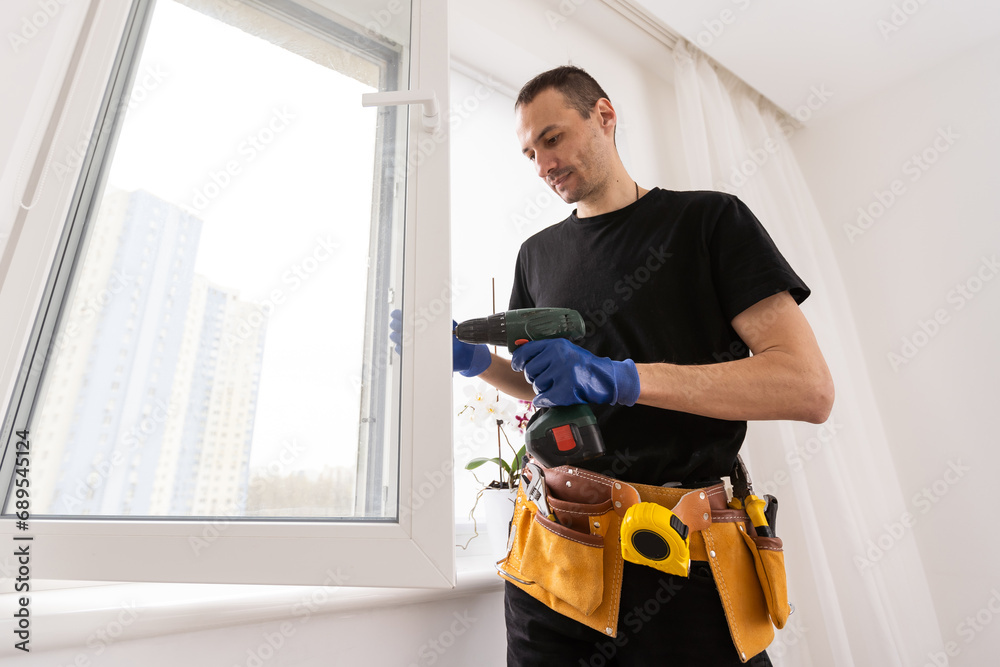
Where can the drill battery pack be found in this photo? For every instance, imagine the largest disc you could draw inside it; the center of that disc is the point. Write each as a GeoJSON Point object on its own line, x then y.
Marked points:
{"type": "Point", "coordinates": [565, 436]}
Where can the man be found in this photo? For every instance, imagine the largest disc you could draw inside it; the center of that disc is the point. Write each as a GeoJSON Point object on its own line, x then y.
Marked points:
{"type": "Point", "coordinates": [676, 288]}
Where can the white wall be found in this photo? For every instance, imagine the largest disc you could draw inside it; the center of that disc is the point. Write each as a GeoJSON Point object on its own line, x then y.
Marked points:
{"type": "Point", "coordinates": [938, 230]}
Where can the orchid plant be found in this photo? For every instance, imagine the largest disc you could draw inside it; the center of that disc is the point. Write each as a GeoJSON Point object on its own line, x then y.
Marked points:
{"type": "Point", "coordinates": [486, 408]}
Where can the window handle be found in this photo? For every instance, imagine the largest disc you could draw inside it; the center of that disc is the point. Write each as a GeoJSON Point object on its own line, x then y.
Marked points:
{"type": "Point", "coordinates": [428, 98]}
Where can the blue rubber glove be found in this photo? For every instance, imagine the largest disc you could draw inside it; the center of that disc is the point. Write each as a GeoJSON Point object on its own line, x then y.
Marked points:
{"type": "Point", "coordinates": [566, 374]}
{"type": "Point", "coordinates": [396, 329]}
{"type": "Point", "coordinates": [467, 359]}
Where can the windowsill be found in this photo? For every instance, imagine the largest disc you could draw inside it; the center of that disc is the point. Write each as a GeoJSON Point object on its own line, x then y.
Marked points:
{"type": "Point", "coordinates": [70, 610]}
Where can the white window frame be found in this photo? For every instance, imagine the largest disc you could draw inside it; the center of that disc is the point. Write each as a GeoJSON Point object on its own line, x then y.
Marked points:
{"type": "Point", "coordinates": [415, 551]}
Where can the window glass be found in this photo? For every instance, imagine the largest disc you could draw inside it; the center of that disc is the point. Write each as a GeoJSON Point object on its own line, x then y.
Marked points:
{"type": "Point", "coordinates": [220, 350]}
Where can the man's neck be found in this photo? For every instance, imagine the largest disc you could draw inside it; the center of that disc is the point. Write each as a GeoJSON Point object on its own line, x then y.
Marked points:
{"type": "Point", "coordinates": [621, 192]}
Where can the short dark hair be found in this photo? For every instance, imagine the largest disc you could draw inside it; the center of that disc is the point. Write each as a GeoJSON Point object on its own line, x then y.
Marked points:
{"type": "Point", "coordinates": [579, 88]}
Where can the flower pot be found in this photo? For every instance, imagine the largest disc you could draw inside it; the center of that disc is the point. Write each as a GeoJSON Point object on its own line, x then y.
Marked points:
{"type": "Point", "coordinates": [498, 507]}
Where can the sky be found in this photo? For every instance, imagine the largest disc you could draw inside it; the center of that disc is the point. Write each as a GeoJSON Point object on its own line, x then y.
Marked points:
{"type": "Point", "coordinates": [275, 154]}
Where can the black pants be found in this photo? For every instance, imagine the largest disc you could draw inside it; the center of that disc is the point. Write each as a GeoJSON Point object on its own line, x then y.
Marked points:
{"type": "Point", "coordinates": [663, 620]}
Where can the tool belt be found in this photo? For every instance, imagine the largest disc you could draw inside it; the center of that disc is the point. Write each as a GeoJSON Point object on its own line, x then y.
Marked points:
{"type": "Point", "coordinates": [575, 566]}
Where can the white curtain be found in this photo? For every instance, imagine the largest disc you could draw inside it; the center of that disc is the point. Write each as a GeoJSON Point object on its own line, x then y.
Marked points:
{"type": "Point", "coordinates": [855, 575]}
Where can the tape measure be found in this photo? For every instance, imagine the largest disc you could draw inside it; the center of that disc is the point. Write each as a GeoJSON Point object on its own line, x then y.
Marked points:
{"type": "Point", "coordinates": [653, 535]}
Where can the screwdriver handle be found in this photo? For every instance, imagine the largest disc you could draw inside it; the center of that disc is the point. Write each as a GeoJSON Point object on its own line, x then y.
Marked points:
{"type": "Point", "coordinates": [755, 510]}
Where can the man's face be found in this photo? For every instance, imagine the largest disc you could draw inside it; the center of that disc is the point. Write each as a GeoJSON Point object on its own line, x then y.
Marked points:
{"type": "Point", "coordinates": [568, 151]}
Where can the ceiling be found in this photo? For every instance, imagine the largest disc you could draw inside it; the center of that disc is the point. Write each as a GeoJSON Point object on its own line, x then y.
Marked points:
{"type": "Point", "coordinates": [851, 49]}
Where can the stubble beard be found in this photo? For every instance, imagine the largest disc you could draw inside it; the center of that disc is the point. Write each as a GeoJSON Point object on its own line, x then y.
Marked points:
{"type": "Point", "coordinates": [594, 163]}
{"type": "Point", "coordinates": [597, 167]}
{"type": "Point", "coordinates": [584, 189]}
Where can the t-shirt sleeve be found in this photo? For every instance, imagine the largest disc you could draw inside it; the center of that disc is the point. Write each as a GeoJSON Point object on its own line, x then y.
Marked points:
{"type": "Point", "coordinates": [520, 297]}
{"type": "Point", "coordinates": [746, 264]}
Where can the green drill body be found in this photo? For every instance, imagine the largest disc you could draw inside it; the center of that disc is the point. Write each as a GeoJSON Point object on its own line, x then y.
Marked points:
{"type": "Point", "coordinates": [563, 435]}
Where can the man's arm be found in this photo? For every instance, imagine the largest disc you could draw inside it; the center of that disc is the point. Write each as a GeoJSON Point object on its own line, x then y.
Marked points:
{"type": "Point", "coordinates": [786, 378]}
{"type": "Point", "coordinates": [503, 377]}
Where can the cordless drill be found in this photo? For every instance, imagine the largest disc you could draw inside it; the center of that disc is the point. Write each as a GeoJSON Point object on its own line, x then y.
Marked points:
{"type": "Point", "coordinates": [564, 435]}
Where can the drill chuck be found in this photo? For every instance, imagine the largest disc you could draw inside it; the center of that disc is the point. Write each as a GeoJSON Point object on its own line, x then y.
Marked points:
{"type": "Point", "coordinates": [490, 330]}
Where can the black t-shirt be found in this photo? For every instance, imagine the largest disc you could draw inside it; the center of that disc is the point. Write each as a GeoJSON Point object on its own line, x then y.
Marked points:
{"type": "Point", "coordinates": [659, 281]}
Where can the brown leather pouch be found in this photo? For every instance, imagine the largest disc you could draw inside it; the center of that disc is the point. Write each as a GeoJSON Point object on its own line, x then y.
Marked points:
{"type": "Point", "coordinates": [573, 567]}
{"type": "Point", "coordinates": [720, 541]}
{"type": "Point", "coordinates": [768, 552]}
{"type": "Point", "coordinates": [567, 564]}
{"type": "Point", "coordinates": [769, 560]}
{"type": "Point", "coordinates": [734, 567]}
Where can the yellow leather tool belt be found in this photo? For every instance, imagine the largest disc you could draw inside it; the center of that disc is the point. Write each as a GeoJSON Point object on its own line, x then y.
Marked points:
{"type": "Point", "coordinates": [575, 566]}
